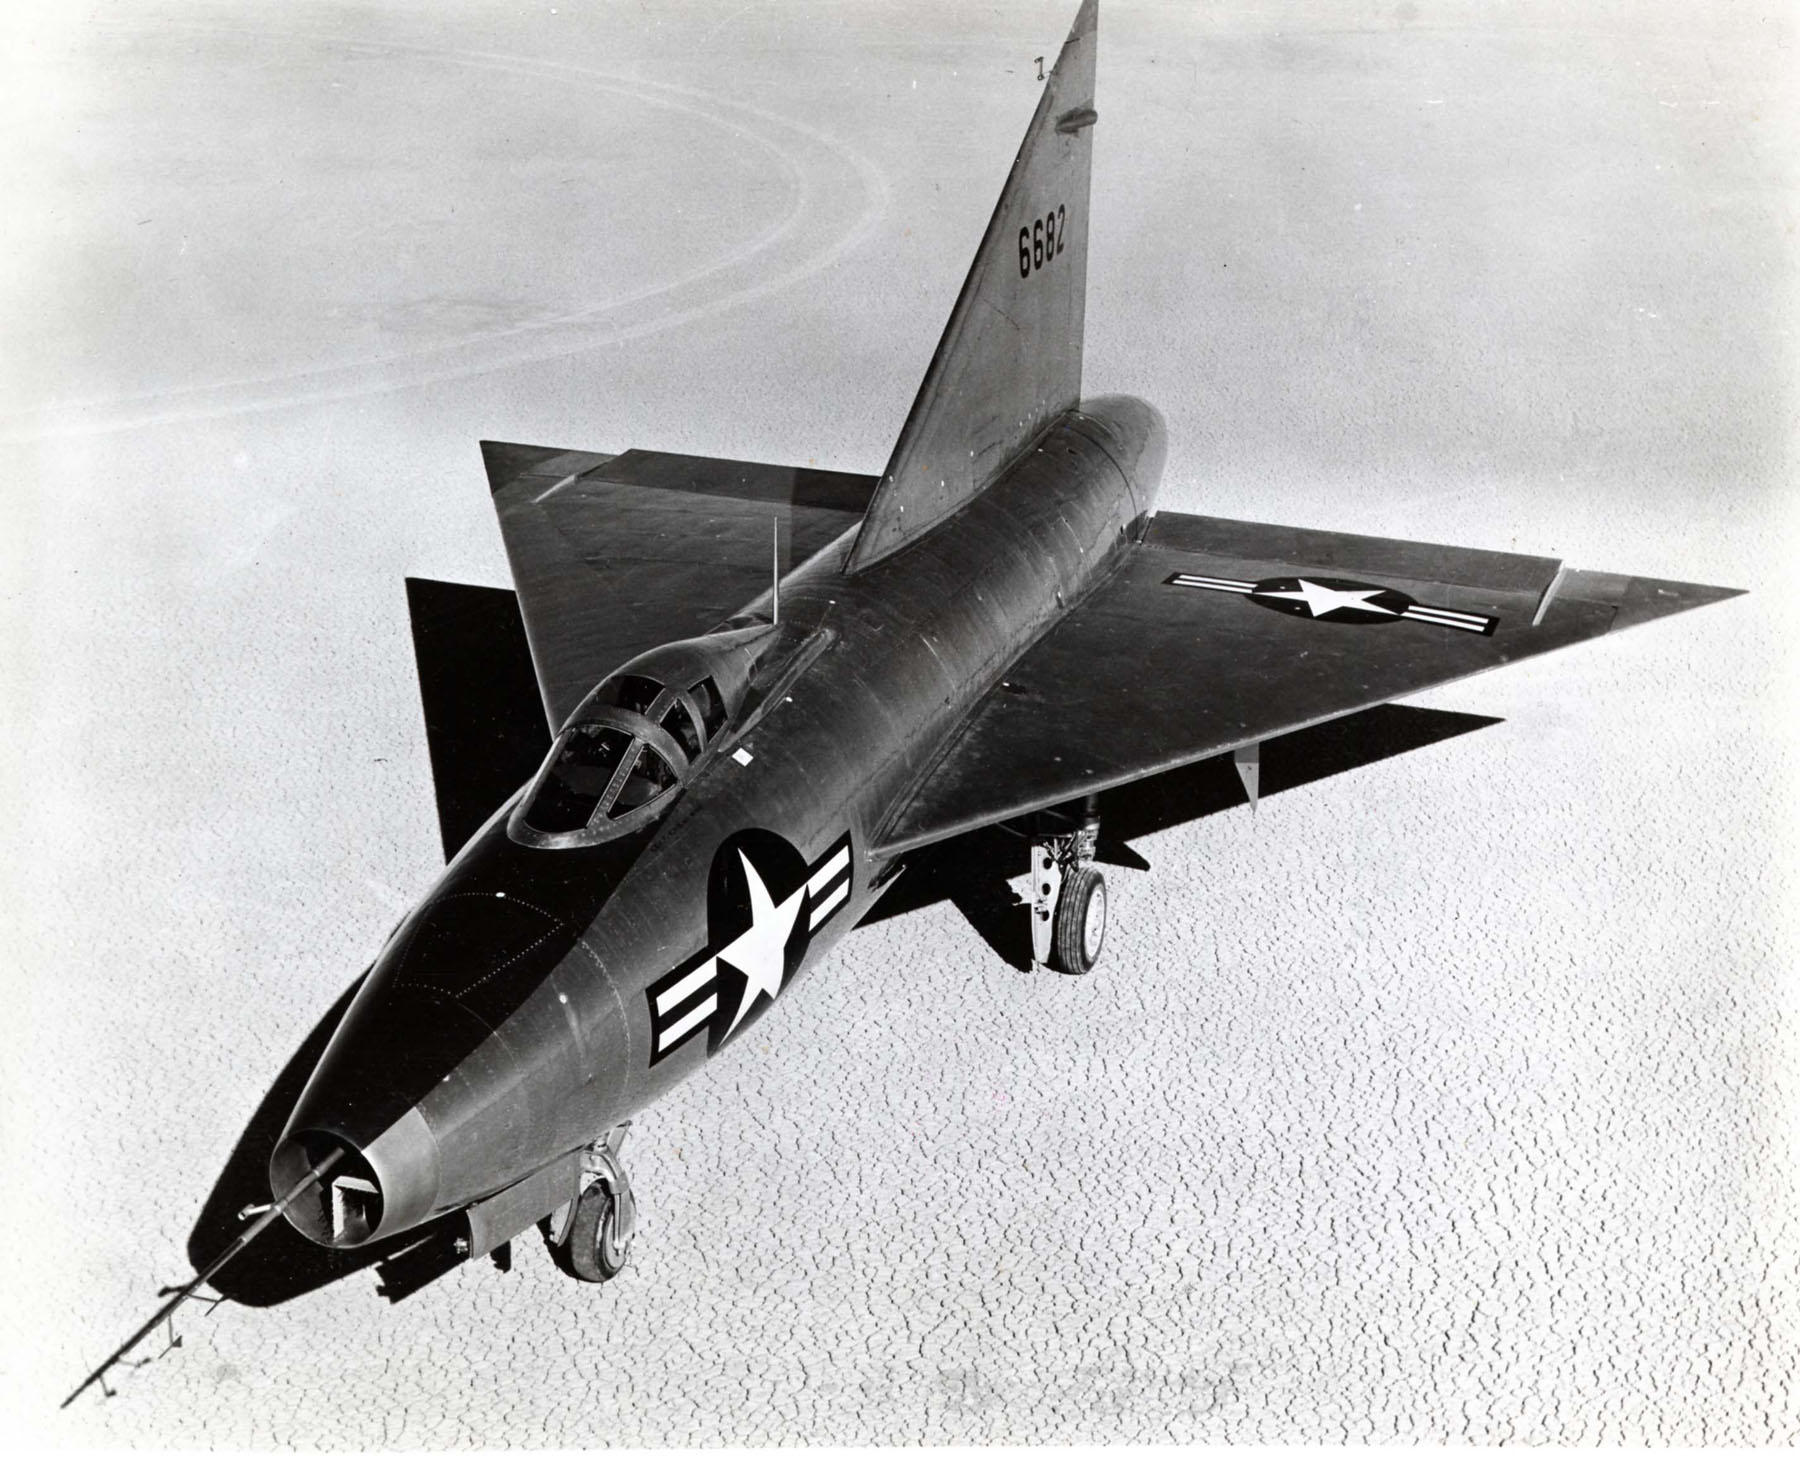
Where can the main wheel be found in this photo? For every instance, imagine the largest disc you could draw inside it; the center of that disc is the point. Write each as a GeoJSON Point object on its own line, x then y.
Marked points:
{"type": "Point", "coordinates": [599, 1240]}
{"type": "Point", "coordinates": [1080, 923]}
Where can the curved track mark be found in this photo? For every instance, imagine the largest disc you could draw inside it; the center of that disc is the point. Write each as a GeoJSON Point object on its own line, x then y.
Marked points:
{"type": "Point", "coordinates": [801, 152]}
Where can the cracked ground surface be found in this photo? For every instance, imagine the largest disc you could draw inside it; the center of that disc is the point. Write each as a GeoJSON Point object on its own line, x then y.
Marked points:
{"type": "Point", "coordinates": [1450, 1097]}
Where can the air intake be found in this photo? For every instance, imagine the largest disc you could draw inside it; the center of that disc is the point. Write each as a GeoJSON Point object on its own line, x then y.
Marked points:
{"type": "Point", "coordinates": [345, 1207]}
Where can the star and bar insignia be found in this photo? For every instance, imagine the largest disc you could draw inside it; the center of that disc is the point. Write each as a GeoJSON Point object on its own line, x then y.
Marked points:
{"type": "Point", "coordinates": [764, 905]}
{"type": "Point", "coordinates": [1331, 599]}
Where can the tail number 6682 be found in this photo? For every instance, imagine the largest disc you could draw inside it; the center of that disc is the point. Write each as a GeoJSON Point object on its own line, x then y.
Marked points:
{"type": "Point", "coordinates": [1041, 242]}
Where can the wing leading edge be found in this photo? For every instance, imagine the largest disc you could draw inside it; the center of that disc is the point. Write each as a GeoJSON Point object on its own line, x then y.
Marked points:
{"type": "Point", "coordinates": [1218, 634]}
{"type": "Point", "coordinates": [615, 554]}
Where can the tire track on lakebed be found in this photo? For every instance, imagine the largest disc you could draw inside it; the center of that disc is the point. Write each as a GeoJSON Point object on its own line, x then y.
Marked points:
{"type": "Point", "coordinates": [834, 197]}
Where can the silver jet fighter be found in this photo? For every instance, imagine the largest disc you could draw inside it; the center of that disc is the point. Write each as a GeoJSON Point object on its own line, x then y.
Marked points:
{"type": "Point", "coordinates": [742, 759]}
{"type": "Point", "coordinates": [737, 775]}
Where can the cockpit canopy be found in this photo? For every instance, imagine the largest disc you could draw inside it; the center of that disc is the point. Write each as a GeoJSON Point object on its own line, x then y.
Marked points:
{"type": "Point", "coordinates": [628, 748]}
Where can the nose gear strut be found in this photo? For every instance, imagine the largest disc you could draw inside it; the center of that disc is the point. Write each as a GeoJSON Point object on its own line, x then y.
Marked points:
{"type": "Point", "coordinates": [590, 1235]}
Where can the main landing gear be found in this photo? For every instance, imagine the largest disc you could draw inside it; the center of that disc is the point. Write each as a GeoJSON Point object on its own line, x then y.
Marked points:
{"type": "Point", "coordinates": [590, 1235]}
{"type": "Point", "coordinates": [1068, 895]}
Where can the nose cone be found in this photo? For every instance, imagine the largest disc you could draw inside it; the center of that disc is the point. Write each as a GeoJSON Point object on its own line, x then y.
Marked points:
{"type": "Point", "coordinates": [392, 1052]}
{"type": "Point", "coordinates": [440, 1082]}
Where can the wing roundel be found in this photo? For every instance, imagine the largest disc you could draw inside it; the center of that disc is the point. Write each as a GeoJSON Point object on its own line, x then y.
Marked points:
{"type": "Point", "coordinates": [1215, 635]}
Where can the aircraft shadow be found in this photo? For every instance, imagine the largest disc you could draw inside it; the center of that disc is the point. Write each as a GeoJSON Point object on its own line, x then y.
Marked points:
{"type": "Point", "coordinates": [962, 870]}
{"type": "Point", "coordinates": [484, 720]}
{"type": "Point", "coordinates": [486, 734]}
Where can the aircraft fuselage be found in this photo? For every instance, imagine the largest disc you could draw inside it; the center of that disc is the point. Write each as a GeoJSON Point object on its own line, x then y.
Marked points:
{"type": "Point", "coordinates": [538, 996]}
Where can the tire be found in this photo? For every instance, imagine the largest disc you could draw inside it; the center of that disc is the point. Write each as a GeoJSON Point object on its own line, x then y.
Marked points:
{"type": "Point", "coordinates": [595, 1250]}
{"type": "Point", "coordinates": [1079, 933]}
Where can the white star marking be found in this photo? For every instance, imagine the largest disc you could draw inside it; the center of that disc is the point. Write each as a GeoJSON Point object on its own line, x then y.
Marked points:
{"type": "Point", "coordinates": [760, 953]}
{"type": "Point", "coordinates": [1320, 600]}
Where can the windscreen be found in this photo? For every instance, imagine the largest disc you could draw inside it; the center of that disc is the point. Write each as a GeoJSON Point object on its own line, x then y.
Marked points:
{"type": "Point", "coordinates": [578, 779]}
{"type": "Point", "coordinates": [625, 752]}
{"type": "Point", "coordinates": [649, 777]}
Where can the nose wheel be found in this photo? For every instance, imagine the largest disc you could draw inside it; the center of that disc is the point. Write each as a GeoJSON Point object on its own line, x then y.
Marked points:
{"type": "Point", "coordinates": [1068, 895]}
{"type": "Point", "coordinates": [590, 1236]}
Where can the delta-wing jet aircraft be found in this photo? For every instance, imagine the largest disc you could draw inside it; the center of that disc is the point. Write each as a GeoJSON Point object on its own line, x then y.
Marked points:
{"type": "Point", "coordinates": [744, 758]}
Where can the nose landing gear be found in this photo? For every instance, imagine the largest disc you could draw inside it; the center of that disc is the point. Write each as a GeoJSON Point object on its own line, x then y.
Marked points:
{"type": "Point", "coordinates": [590, 1235]}
{"type": "Point", "coordinates": [1068, 895]}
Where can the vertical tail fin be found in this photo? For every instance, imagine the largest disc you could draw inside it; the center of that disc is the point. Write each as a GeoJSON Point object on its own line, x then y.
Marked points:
{"type": "Point", "coordinates": [1010, 358]}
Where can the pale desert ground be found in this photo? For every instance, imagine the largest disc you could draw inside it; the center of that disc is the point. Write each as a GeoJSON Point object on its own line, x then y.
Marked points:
{"type": "Point", "coordinates": [1453, 1096]}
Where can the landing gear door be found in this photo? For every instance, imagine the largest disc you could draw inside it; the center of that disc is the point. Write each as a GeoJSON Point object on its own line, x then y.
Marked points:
{"type": "Point", "coordinates": [1046, 884]}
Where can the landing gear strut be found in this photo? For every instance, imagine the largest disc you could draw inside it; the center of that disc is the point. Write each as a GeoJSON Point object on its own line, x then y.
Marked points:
{"type": "Point", "coordinates": [590, 1236]}
{"type": "Point", "coordinates": [1068, 895]}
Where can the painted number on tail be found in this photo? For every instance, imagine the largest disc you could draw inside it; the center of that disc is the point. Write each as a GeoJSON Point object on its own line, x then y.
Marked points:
{"type": "Point", "coordinates": [1042, 241]}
